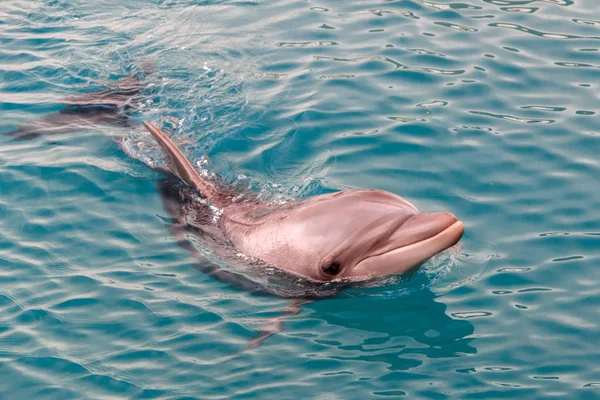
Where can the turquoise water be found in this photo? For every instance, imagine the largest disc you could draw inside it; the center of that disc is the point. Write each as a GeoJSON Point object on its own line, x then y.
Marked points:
{"type": "Point", "coordinates": [485, 108]}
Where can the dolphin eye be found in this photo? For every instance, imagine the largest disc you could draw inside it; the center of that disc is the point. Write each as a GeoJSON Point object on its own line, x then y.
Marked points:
{"type": "Point", "coordinates": [332, 269]}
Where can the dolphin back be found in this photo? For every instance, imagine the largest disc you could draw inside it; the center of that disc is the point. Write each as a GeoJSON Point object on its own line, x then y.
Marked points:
{"type": "Point", "coordinates": [183, 167]}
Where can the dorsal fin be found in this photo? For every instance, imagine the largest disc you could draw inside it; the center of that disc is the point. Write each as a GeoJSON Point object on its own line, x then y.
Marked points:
{"type": "Point", "coordinates": [183, 167]}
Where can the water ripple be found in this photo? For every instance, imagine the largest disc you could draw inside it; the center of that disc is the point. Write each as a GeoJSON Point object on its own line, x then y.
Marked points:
{"type": "Point", "coordinates": [514, 118]}
{"type": "Point", "coordinates": [547, 35]}
{"type": "Point", "coordinates": [486, 109]}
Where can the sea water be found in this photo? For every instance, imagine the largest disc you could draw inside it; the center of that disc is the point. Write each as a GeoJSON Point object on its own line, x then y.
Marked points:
{"type": "Point", "coordinates": [484, 108]}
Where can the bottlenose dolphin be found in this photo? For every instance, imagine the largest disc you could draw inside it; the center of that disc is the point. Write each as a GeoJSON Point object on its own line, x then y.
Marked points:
{"type": "Point", "coordinates": [325, 242]}
{"type": "Point", "coordinates": [351, 235]}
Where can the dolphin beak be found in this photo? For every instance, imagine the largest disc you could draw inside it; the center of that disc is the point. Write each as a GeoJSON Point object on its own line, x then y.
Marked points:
{"type": "Point", "coordinates": [415, 241]}
{"type": "Point", "coordinates": [421, 227]}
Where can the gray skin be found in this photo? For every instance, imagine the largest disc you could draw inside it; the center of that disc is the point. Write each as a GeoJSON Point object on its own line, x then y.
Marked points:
{"type": "Point", "coordinates": [352, 235]}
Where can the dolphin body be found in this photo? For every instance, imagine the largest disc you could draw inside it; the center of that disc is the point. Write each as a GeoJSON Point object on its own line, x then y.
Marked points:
{"type": "Point", "coordinates": [304, 249]}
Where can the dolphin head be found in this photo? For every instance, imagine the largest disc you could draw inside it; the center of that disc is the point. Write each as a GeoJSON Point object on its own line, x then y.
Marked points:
{"type": "Point", "coordinates": [353, 235]}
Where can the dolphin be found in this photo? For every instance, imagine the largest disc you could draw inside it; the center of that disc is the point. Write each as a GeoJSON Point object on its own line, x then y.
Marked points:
{"type": "Point", "coordinates": [324, 243]}
{"type": "Point", "coordinates": [346, 236]}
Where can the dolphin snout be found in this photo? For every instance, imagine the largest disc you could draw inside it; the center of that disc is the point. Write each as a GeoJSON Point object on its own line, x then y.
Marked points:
{"type": "Point", "coordinates": [419, 238]}
{"type": "Point", "coordinates": [422, 226]}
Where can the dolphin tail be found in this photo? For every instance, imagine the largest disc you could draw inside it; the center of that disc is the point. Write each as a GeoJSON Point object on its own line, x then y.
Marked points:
{"type": "Point", "coordinates": [68, 120]}
{"type": "Point", "coordinates": [106, 107]}
{"type": "Point", "coordinates": [183, 167]}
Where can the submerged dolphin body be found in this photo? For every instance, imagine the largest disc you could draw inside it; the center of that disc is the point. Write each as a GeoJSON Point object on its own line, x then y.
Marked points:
{"type": "Point", "coordinates": [107, 107]}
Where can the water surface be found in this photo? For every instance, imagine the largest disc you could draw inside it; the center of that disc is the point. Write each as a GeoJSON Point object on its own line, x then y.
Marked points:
{"type": "Point", "coordinates": [485, 108]}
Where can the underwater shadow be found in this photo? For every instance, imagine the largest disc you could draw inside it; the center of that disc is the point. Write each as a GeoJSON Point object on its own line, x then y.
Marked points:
{"type": "Point", "coordinates": [397, 332]}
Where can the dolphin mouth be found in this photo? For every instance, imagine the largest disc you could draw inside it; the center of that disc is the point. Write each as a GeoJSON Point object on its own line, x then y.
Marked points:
{"type": "Point", "coordinates": [417, 240]}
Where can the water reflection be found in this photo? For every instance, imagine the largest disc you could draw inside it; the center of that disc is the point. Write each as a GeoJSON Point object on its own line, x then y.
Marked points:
{"type": "Point", "coordinates": [398, 334]}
